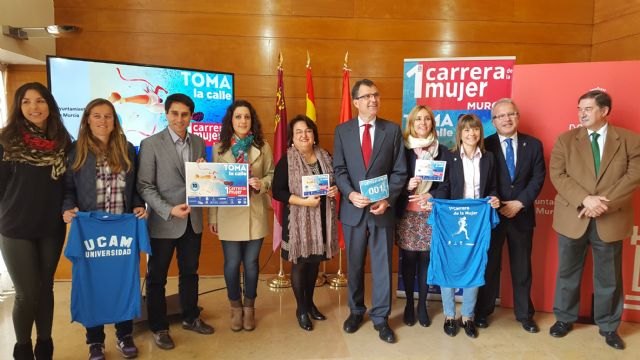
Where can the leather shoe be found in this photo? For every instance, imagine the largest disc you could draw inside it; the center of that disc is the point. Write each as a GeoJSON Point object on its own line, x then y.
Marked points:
{"type": "Point", "coordinates": [470, 329]}
{"type": "Point", "coordinates": [409, 317]}
{"type": "Point", "coordinates": [352, 324]}
{"type": "Point", "coordinates": [423, 317]}
{"type": "Point", "coordinates": [304, 321]}
{"type": "Point", "coordinates": [481, 322]}
{"type": "Point", "coordinates": [530, 326]}
{"type": "Point", "coordinates": [315, 314]}
{"type": "Point", "coordinates": [451, 327]}
{"type": "Point", "coordinates": [613, 339]}
{"type": "Point", "coordinates": [163, 340]}
{"type": "Point", "coordinates": [385, 333]}
{"type": "Point", "coordinates": [198, 325]}
{"type": "Point", "coordinates": [560, 329]}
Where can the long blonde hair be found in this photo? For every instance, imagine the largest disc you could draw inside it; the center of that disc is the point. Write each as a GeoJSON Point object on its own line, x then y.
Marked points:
{"type": "Point", "coordinates": [116, 151]}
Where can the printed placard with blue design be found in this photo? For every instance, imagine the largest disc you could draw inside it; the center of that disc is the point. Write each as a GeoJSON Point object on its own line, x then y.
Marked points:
{"type": "Point", "coordinates": [217, 184]}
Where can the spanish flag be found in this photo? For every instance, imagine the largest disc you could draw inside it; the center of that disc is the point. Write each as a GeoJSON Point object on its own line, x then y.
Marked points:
{"type": "Point", "coordinates": [311, 99]}
{"type": "Point", "coordinates": [345, 115]}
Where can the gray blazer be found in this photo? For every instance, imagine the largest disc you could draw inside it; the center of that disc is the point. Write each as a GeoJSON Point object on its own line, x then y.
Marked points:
{"type": "Point", "coordinates": [387, 157]}
{"type": "Point", "coordinates": [161, 183]}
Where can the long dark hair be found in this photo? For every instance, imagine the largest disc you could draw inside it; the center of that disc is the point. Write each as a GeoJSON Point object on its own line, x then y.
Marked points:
{"type": "Point", "coordinates": [226, 133]}
{"type": "Point", "coordinates": [16, 122]}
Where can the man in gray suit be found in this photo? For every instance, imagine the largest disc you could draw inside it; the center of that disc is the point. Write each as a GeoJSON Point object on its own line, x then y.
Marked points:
{"type": "Point", "coordinates": [364, 148]}
{"type": "Point", "coordinates": [173, 225]}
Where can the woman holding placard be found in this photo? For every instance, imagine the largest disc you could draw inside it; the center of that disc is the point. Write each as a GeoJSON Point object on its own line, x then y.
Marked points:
{"type": "Point", "coordinates": [302, 180]}
{"type": "Point", "coordinates": [413, 234]}
{"type": "Point", "coordinates": [242, 229]}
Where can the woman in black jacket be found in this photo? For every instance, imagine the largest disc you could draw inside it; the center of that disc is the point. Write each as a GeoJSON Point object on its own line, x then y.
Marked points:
{"type": "Point", "coordinates": [32, 164]}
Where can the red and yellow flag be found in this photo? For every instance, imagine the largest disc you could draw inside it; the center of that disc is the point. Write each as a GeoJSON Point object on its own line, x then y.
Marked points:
{"type": "Point", "coordinates": [311, 99]}
{"type": "Point", "coordinates": [279, 150]}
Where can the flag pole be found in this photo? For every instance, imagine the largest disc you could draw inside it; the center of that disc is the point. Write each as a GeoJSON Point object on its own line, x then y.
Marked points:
{"type": "Point", "coordinates": [340, 279]}
{"type": "Point", "coordinates": [281, 280]}
{"type": "Point", "coordinates": [321, 279]}
{"type": "Point", "coordinates": [280, 148]}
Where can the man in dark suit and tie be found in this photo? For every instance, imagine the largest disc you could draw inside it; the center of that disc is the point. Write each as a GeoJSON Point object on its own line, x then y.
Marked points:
{"type": "Point", "coordinates": [595, 169]}
{"type": "Point", "coordinates": [173, 225]}
{"type": "Point", "coordinates": [520, 174]}
{"type": "Point", "coordinates": [364, 148]}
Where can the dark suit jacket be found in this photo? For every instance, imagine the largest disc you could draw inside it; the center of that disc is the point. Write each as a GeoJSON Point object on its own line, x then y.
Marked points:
{"type": "Point", "coordinates": [488, 185]}
{"type": "Point", "coordinates": [387, 157]}
{"type": "Point", "coordinates": [80, 186]}
{"type": "Point", "coordinates": [572, 173]}
{"type": "Point", "coordinates": [437, 188]}
{"type": "Point", "coordinates": [530, 172]}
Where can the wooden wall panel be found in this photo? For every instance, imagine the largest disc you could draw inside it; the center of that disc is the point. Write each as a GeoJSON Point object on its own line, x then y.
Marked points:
{"type": "Point", "coordinates": [17, 75]}
{"type": "Point", "coordinates": [613, 9]}
{"type": "Point", "coordinates": [616, 30]}
{"type": "Point", "coordinates": [245, 37]}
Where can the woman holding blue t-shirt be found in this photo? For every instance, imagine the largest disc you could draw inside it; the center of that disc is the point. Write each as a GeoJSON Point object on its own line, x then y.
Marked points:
{"type": "Point", "coordinates": [101, 176]}
{"type": "Point", "coordinates": [471, 176]}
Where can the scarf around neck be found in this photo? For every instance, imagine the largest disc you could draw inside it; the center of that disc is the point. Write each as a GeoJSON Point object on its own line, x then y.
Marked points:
{"type": "Point", "coordinates": [425, 149]}
{"type": "Point", "coordinates": [240, 147]}
{"type": "Point", "coordinates": [305, 223]}
{"type": "Point", "coordinates": [33, 148]}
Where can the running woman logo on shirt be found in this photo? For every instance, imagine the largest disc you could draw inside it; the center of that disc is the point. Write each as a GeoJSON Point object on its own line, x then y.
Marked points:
{"type": "Point", "coordinates": [461, 237]}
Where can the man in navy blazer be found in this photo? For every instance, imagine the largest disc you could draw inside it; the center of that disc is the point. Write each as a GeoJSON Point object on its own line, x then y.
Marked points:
{"type": "Point", "coordinates": [365, 223]}
{"type": "Point", "coordinates": [518, 189]}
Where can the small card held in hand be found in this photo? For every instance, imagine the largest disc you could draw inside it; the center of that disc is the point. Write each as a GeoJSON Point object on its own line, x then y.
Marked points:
{"type": "Point", "coordinates": [315, 185]}
{"type": "Point", "coordinates": [375, 189]}
{"type": "Point", "coordinates": [431, 170]}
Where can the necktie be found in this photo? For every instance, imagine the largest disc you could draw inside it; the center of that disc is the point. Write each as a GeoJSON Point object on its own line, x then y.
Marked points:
{"type": "Point", "coordinates": [595, 148]}
{"type": "Point", "coordinates": [510, 157]}
{"type": "Point", "coordinates": [366, 145]}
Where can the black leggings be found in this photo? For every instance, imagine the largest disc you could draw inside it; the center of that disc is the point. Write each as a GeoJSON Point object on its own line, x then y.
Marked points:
{"type": "Point", "coordinates": [409, 261]}
{"type": "Point", "coordinates": [303, 282]}
{"type": "Point", "coordinates": [31, 264]}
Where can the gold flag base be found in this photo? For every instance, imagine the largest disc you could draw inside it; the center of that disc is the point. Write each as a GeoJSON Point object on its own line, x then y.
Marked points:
{"type": "Point", "coordinates": [339, 279]}
{"type": "Point", "coordinates": [281, 280]}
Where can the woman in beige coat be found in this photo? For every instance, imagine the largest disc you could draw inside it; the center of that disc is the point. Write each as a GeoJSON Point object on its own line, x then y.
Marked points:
{"type": "Point", "coordinates": [242, 229]}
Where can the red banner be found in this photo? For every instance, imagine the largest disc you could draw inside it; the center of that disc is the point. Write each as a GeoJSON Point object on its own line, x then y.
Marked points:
{"type": "Point", "coordinates": [547, 98]}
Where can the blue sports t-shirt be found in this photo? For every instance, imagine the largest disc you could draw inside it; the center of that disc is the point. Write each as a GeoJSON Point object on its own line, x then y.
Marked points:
{"type": "Point", "coordinates": [104, 249]}
{"type": "Point", "coordinates": [459, 242]}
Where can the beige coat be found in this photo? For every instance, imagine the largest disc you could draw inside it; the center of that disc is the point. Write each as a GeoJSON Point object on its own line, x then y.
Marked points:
{"type": "Point", "coordinates": [246, 223]}
{"type": "Point", "coordinates": [573, 175]}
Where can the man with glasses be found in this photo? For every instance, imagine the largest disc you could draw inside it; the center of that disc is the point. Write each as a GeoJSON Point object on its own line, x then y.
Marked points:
{"type": "Point", "coordinates": [365, 148]}
{"type": "Point", "coordinates": [520, 173]}
{"type": "Point", "coordinates": [595, 168]}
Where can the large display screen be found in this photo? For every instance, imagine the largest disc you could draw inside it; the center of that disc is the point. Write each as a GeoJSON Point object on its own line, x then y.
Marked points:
{"type": "Point", "coordinates": [138, 93]}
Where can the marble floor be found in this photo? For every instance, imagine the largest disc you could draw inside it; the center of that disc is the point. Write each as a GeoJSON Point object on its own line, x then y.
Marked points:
{"type": "Point", "coordinates": [278, 336]}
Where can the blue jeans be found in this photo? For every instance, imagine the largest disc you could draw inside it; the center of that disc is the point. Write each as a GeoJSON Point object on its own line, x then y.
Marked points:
{"type": "Point", "coordinates": [469, 296]}
{"type": "Point", "coordinates": [247, 253]}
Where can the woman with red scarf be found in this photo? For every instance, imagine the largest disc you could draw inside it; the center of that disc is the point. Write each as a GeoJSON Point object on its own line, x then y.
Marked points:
{"type": "Point", "coordinates": [32, 167]}
{"type": "Point", "coordinates": [242, 229]}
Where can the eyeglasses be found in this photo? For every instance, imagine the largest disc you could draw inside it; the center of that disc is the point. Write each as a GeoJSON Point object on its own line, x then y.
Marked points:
{"type": "Point", "coordinates": [511, 115]}
{"type": "Point", "coordinates": [369, 96]}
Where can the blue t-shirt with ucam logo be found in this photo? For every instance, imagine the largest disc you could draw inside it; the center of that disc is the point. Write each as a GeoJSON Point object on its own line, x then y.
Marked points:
{"type": "Point", "coordinates": [461, 234]}
{"type": "Point", "coordinates": [105, 251]}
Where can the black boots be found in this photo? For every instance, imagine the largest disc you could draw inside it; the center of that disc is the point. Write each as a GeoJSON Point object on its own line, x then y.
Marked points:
{"type": "Point", "coordinates": [23, 351]}
{"type": "Point", "coordinates": [44, 349]}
